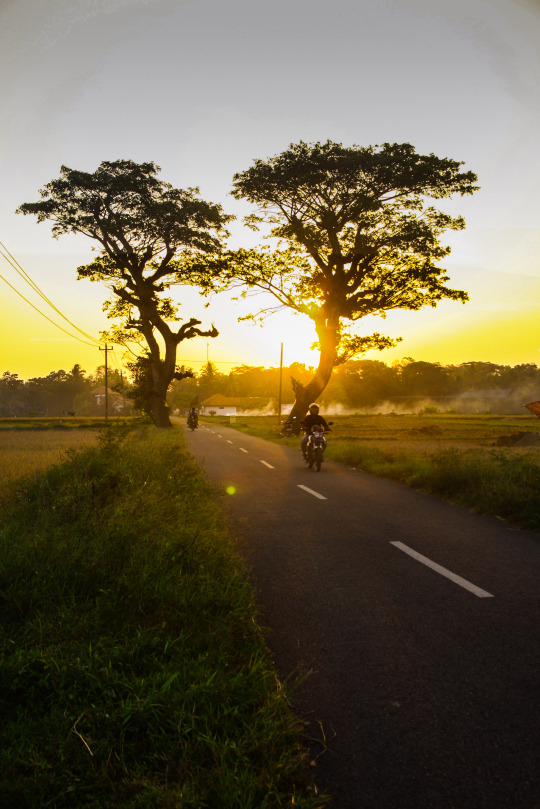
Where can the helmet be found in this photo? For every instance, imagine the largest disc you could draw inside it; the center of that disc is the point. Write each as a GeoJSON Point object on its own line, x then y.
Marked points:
{"type": "Point", "coordinates": [313, 405]}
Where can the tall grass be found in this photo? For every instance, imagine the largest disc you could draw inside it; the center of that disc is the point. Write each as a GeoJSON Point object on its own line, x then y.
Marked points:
{"type": "Point", "coordinates": [133, 672]}
{"type": "Point", "coordinates": [492, 482]}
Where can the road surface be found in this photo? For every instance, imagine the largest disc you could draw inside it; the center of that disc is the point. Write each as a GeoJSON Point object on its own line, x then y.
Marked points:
{"type": "Point", "coordinates": [415, 624]}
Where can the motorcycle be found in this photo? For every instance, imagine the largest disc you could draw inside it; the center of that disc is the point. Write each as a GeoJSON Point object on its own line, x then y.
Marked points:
{"type": "Point", "coordinates": [193, 422]}
{"type": "Point", "coordinates": [290, 427]}
{"type": "Point", "coordinates": [316, 445]}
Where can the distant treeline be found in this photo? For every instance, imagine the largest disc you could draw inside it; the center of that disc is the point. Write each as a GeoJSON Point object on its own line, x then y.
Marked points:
{"type": "Point", "coordinates": [365, 384]}
{"type": "Point", "coordinates": [358, 384]}
{"type": "Point", "coordinates": [58, 393]}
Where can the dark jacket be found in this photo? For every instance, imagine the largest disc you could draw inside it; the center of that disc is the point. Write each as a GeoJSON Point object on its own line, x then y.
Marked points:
{"type": "Point", "coordinates": [310, 420]}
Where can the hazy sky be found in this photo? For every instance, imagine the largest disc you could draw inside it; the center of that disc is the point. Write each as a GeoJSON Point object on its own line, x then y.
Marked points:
{"type": "Point", "coordinates": [203, 87]}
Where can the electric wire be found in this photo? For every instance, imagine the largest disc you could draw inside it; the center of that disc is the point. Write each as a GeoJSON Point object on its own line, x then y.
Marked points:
{"type": "Point", "coordinates": [12, 261]}
{"type": "Point", "coordinates": [74, 336]}
{"type": "Point", "coordinates": [115, 360]}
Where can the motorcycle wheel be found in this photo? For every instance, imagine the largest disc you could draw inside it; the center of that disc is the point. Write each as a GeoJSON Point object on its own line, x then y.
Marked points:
{"type": "Point", "coordinates": [317, 458]}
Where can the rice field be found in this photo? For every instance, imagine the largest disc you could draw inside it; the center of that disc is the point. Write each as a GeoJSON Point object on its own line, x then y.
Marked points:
{"type": "Point", "coordinates": [24, 452]}
{"type": "Point", "coordinates": [413, 432]}
{"type": "Point", "coordinates": [419, 434]}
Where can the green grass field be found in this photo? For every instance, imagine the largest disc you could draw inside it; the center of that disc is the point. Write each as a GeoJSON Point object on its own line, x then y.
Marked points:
{"type": "Point", "coordinates": [133, 671]}
{"type": "Point", "coordinates": [489, 463]}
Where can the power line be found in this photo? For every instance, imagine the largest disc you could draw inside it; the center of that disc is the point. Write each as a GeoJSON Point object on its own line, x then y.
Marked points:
{"type": "Point", "coordinates": [12, 261]}
{"type": "Point", "coordinates": [24, 275]}
{"type": "Point", "coordinates": [74, 336]}
{"type": "Point", "coordinates": [115, 360]}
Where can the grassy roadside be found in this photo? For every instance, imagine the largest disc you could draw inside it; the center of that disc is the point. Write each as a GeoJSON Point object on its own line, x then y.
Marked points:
{"type": "Point", "coordinates": [468, 460]}
{"type": "Point", "coordinates": [497, 483]}
{"type": "Point", "coordinates": [133, 672]}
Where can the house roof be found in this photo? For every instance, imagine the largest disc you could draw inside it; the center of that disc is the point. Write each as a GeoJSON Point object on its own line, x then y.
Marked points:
{"type": "Point", "coordinates": [100, 391]}
{"type": "Point", "coordinates": [218, 400]}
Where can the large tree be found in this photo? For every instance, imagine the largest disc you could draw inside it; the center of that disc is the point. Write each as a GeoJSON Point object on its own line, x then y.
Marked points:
{"type": "Point", "coordinates": [357, 238]}
{"type": "Point", "coordinates": [144, 227]}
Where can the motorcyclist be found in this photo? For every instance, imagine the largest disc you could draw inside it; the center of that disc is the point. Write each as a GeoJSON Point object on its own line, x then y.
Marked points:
{"type": "Point", "coordinates": [308, 422]}
{"type": "Point", "coordinates": [193, 416]}
{"type": "Point", "coordinates": [290, 427]}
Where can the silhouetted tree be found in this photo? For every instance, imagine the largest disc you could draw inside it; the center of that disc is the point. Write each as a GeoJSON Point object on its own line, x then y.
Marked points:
{"type": "Point", "coordinates": [210, 381]}
{"type": "Point", "coordinates": [368, 382]}
{"type": "Point", "coordinates": [359, 240]}
{"type": "Point", "coordinates": [423, 379]}
{"type": "Point", "coordinates": [12, 398]}
{"type": "Point", "coordinates": [476, 375]}
{"type": "Point", "coordinates": [142, 226]}
{"type": "Point", "coordinates": [55, 393]}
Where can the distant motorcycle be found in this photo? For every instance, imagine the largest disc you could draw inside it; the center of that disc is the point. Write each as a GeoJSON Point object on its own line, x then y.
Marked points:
{"type": "Point", "coordinates": [290, 427]}
{"type": "Point", "coordinates": [193, 422]}
{"type": "Point", "coordinates": [315, 448]}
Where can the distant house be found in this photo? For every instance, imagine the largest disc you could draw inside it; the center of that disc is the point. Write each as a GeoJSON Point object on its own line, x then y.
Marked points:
{"type": "Point", "coordinates": [115, 400]}
{"type": "Point", "coordinates": [231, 405]}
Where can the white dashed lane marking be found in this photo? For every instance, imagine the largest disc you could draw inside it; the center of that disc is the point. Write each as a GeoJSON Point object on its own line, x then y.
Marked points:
{"type": "Point", "coordinates": [443, 571]}
{"type": "Point", "coordinates": [269, 465]}
{"type": "Point", "coordinates": [242, 449]}
{"type": "Point", "coordinates": [310, 491]}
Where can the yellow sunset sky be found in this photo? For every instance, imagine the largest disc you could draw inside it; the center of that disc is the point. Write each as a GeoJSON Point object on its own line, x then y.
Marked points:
{"type": "Point", "coordinates": [204, 87]}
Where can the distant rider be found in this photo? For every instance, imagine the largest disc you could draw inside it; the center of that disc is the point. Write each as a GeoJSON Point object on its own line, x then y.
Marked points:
{"type": "Point", "coordinates": [308, 422]}
{"type": "Point", "coordinates": [193, 416]}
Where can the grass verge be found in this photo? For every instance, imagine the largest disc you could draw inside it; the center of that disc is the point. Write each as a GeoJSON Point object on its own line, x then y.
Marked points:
{"type": "Point", "coordinates": [492, 482]}
{"type": "Point", "coordinates": [133, 672]}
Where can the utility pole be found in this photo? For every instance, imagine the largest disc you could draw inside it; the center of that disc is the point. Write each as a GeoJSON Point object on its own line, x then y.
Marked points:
{"type": "Point", "coordinates": [123, 392]}
{"type": "Point", "coordinates": [280, 382]}
{"type": "Point", "coordinates": [107, 348]}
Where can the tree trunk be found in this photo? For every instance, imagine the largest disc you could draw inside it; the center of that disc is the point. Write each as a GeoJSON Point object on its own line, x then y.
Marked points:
{"type": "Point", "coordinates": [162, 375]}
{"type": "Point", "coordinates": [306, 394]}
{"type": "Point", "coordinates": [160, 409]}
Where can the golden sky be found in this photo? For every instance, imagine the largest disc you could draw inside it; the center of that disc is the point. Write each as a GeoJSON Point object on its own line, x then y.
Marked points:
{"type": "Point", "coordinates": [203, 87]}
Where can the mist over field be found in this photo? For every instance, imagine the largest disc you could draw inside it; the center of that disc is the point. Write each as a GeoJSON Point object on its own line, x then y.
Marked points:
{"type": "Point", "coordinates": [512, 404]}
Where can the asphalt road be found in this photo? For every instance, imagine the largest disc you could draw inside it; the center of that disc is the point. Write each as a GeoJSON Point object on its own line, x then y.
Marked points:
{"type": "Point", "coordinates": [415, 623]}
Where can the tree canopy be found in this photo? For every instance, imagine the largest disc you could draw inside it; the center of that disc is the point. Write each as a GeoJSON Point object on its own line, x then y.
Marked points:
{"type": "Point", "coordinates": [143, 227]}
{"type": "Point", "coordinates": [357, 238]}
